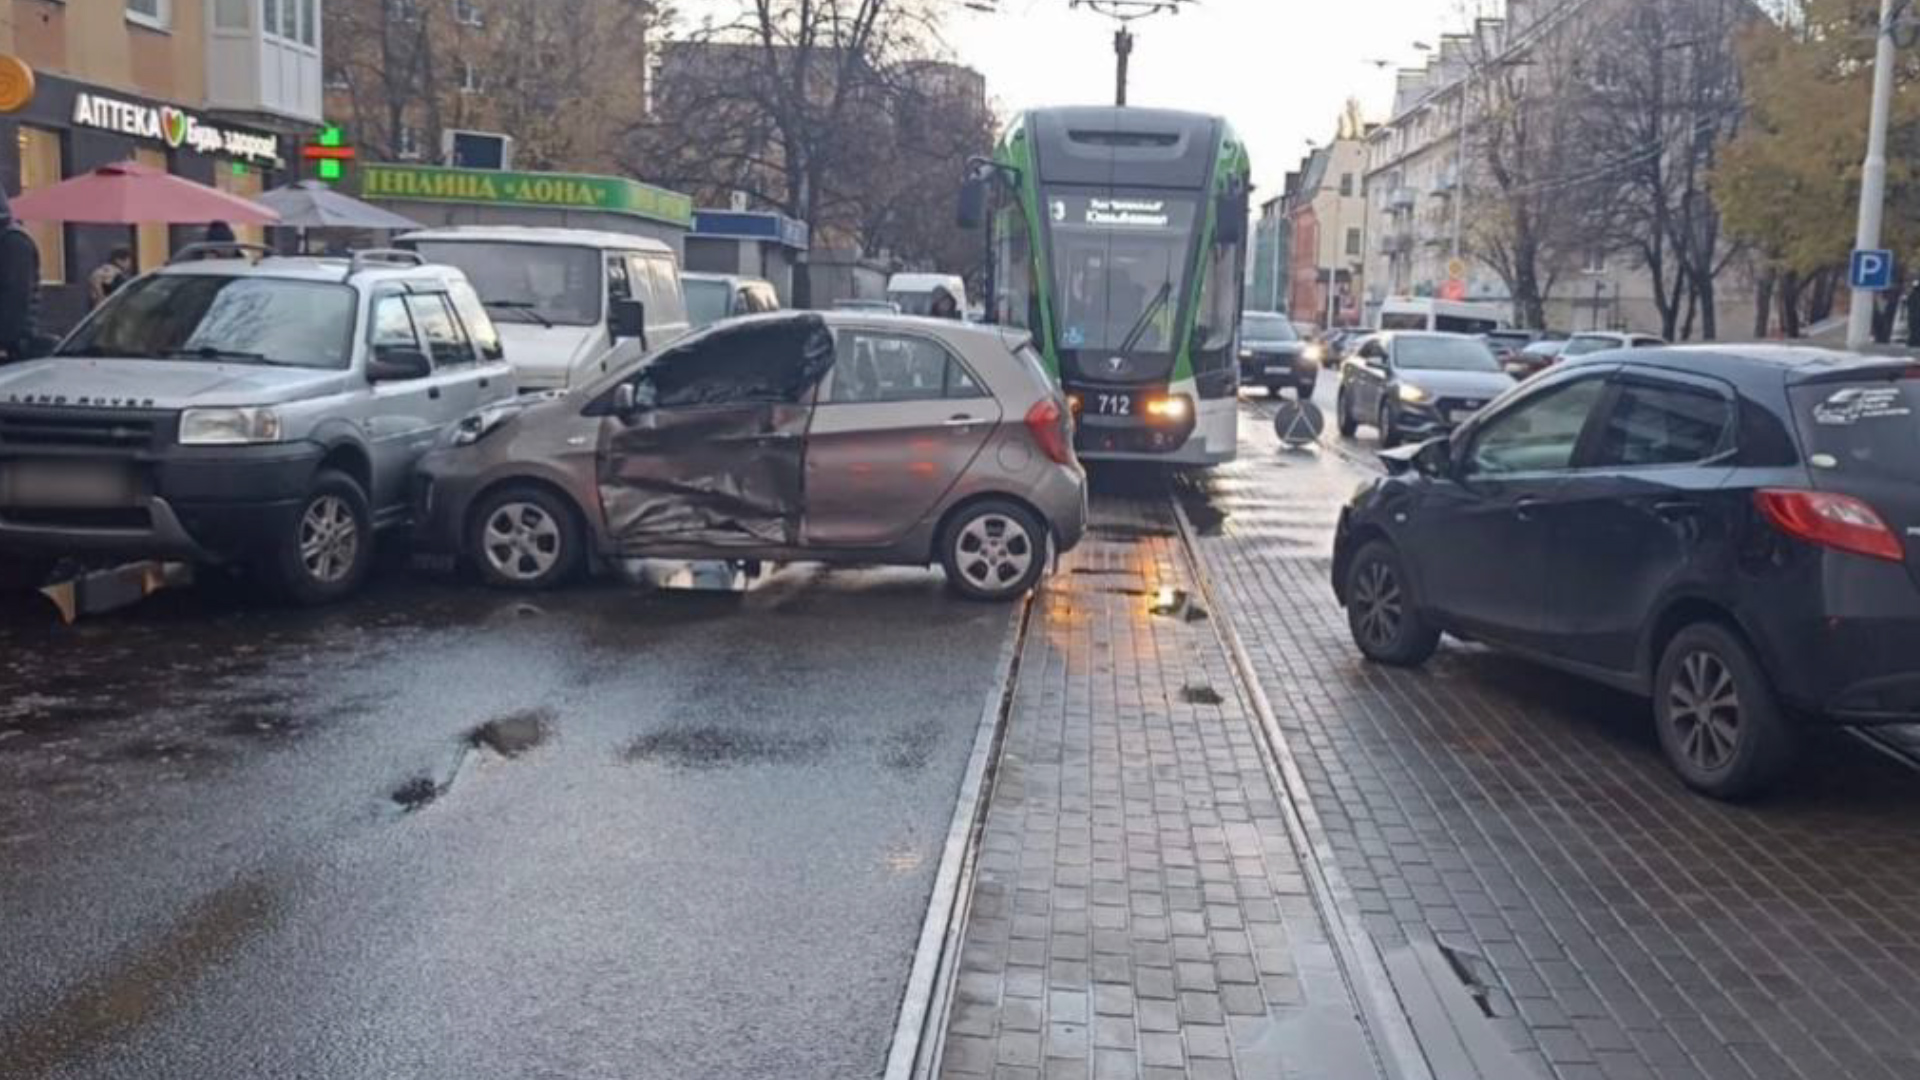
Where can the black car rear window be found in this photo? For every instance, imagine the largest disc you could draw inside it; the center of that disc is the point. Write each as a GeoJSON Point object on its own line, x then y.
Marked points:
{"type": "Point", "coordinates": [1869, 428]}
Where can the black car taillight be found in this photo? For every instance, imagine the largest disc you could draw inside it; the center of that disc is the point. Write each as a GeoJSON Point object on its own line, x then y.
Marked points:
{"type": "Point", "coordinates": [1841, 522]}
{"type": "Point", "coordinates": [1052, 428]}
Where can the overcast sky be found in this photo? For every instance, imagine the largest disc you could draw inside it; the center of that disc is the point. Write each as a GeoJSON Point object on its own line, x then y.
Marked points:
{"type": "Point", "coordinates": [1280, 70]}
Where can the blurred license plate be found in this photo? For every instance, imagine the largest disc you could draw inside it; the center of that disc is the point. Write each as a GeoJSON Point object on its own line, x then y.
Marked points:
{"type": "Point", "coordinates": [1461, 416]}
{"type": "Point", "coordinates": [1279, 369]}
{"type": "Point", "coordinates": [58, 484]}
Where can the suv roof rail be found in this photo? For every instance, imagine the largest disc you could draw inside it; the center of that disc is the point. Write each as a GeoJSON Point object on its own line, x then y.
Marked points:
{"type": "Point", "coordinates": [371, 257]}
{"type": "Point", "coordinates": [206, 248]}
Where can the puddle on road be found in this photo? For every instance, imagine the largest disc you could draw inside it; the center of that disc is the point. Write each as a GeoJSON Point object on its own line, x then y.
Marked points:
{"type": "Point", "coordinates": [720, 748]}
{"type": "Point", "coordinates": [1170, 603]}
{"type": "Point", "coordinates": [1200, 695]}
{"type": "Point", "coordinates": [514, 734]}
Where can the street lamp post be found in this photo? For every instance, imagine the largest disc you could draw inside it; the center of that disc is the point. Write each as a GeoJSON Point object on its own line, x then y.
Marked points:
{"type": "Point", "coordinates": [1873, 174]}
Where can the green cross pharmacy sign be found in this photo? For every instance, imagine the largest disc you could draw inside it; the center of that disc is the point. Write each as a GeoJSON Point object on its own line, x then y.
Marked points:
{"type": "Point", "coordinates": [558, 191]}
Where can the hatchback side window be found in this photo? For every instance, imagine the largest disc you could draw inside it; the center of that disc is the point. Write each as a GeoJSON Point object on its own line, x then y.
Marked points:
{"type": "Point", "coordinates": [1663, 424]}
{"type": "Point", "coordinates": [392, 329]}
{"type": "Point", "coordinates": [884, 367]}
{"type": "Point", "coordinates": [1539, 435]}
{"type": "Point", "coordinates": [446, 342]}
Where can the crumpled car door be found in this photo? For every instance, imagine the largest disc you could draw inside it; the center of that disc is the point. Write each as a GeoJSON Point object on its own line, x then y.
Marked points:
{"type": "Point", "coordinates": [714, 455]}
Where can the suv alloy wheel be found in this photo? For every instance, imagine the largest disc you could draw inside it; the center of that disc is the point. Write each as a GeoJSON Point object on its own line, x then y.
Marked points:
{"type": "Point", "coordinates": [326, 549]}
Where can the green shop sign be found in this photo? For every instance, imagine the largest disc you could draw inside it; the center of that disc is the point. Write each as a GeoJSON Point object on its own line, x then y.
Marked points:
{"type": "Point", "coordinates": [560, 191]}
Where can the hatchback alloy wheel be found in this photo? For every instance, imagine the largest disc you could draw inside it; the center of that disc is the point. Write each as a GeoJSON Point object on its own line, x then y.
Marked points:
{"type": "Point", "coordinates": [329, 540]}
{"type": "Point", "coordinates": [1704, 709]}
{"type": "Point", "coordinates": [1378, 604]}
{"type": "Point", "coordinates": [522, 541]}
{"type": "Point", "coordinates": [995, 552]}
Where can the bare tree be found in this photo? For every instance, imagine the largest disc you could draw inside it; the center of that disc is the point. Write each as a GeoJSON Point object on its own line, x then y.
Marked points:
{"type": "Point", "coordinates": [797, 103]}
{"type": "Point", "coordinates": [1665, 97]}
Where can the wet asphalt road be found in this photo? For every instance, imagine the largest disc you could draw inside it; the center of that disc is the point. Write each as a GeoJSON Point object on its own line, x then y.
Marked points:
{"type": "Point", "coordinates": [654, 835]}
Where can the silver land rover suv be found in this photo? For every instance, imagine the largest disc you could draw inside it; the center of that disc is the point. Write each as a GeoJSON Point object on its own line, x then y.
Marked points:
{"type": "Point", "coordinates": [227, 410]}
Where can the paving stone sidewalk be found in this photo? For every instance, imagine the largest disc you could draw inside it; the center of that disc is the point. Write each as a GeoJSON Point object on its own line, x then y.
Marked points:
{"type": "Point", "coordinates": [1139, 909]}
{"type": "Point", "coordinates": [1628, 928]}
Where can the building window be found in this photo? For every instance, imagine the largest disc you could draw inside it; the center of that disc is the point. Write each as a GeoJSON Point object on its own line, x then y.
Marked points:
{"type": "Point", "coordinates": [39, 166]}
{"type": "Point", "coordinates": [403, 10]}
{"type": "Point", "coordinates": [291, 20]}
{"type": "Point", "coordinates": [1594, 262]}
{"type": "Point", "coordinates": [155, 13]}
{"type": "Point", "coordinates": [233, 14]}
{"type": "Point", "coordinates": [1346, 185]}
{"type": "Point", "coordinates": [467, 13]}
{"type": "Point", "coordinates": [407, 143]}
{"type": "Point", "coordinates": [470, 81]}
{"type": "Point", "coordinates": [1353, 241]}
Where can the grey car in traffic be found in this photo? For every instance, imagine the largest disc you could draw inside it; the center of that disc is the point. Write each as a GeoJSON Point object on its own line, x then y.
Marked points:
{"type": "Point", "coordinates": [833, 437]}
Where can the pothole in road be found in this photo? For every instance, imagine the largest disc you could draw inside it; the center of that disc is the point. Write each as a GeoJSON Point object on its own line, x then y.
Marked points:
{"type": "Point", "coordinates": [720, 748]}
{"type": "Point", "coordinates": [513, 735]}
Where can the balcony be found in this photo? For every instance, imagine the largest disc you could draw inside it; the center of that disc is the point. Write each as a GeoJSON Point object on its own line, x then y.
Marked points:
{"type": "Point", "coordinates": [1401, 199]}
{"type": "Point", "coordinates": [263, 59]}
{"type": "Point", "coordinates": [1396, 244]}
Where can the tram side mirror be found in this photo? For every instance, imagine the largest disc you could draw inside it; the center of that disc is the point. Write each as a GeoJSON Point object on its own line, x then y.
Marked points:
{"type": "Point", "coordinates": [1230, 215]}
{"type": "Point", "coordinates": [973, 202]}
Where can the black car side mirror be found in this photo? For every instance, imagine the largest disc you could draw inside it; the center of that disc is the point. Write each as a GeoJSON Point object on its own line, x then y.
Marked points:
{"type": "Point", "coordinates": [627, 319]}
{"type": "Point", "coordinates": [1435, 459]}
{"type": "Point", "coordinates": [398, 365]}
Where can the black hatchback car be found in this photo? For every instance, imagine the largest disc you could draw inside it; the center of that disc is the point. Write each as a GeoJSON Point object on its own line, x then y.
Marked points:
{"type": "Point", "coordinates": [1734, 532]}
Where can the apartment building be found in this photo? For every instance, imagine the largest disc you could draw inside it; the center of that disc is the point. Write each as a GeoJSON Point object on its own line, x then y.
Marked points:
{"type": "Point", "coordinates": [1327, 212]}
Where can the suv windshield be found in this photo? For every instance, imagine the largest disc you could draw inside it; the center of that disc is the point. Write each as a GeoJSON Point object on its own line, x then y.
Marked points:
{"type": "Point", "coordinates": [1443, 354]}
{"type": "Point", "coordinates": [706, 300]}
{"type": "Point", "coordinates": [550, 284]}
{"type": "Point", "coordinates": [1267, 328]}
{"type": "Point", "coordinates": [221, 318]}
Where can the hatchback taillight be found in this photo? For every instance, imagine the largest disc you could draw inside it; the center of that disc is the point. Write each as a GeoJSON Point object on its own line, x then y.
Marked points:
{"type": "Point", "coordinates": [1052, 428]}
{"type": "Point", "coordinates": [1841, 522]}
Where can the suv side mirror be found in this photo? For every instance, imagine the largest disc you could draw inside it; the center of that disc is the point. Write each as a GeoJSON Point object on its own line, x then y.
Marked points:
{"type": "Point", "coordinates": [398, 365]}
{"type": "Point", "coordinates": [973, 203]}
{"type": "Point", "coordinates": [627, 319]}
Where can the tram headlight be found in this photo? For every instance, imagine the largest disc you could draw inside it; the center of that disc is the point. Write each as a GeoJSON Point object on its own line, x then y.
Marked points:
{"type": "Point", "coordinates": [1172, 408]}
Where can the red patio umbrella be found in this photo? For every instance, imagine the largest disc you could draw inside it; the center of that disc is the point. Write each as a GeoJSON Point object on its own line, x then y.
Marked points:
{"type": "Point", "coordinates": [129, 193]}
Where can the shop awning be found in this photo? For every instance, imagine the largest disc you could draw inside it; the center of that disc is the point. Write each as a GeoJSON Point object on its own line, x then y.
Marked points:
{"type": "Point", "coordinates": [129, 193]}
{"type": "Point", "coordinates": [311, 204]}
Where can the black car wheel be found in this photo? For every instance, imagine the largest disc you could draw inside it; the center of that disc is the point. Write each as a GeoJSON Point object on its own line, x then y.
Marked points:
{"type": "Point", "coordinates": [1719, 722]}
{"type": "Point", "coordinates": [1389, 435]}
{"type": "Point", "coordinates": [524, 538]}
{"type": "Point", "coordinates": [994, 550]}
{"type": "Point", "coordinates": [1381, 612]}
{"type": "Point", "coordinates": [1343, 412]}
{"type": "Point", "coordinates": [326, 550]}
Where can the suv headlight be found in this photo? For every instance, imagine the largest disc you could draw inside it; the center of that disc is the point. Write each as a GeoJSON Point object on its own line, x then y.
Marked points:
{"type": "Point", "coordinates": [229, 427]}
{"type": "Point", "coordinates": [1414, 395]}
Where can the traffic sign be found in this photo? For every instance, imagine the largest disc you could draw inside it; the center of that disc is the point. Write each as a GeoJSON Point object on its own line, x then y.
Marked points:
{"type": "Point", "coordinates": [1871, 271]}
{"type": "Point", "coordinates": [1456, 269]}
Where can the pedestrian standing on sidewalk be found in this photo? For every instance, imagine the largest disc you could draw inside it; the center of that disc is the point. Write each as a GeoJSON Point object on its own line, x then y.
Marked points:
{"type": "Point", "coordinates": [1913, 316]}
{"type": "Point", "coordinates": [109, 275]}
{"type": "Point", "coordinates": [19, 288]}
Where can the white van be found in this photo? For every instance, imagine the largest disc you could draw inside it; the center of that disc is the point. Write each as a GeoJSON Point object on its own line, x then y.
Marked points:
{"type": "Point", "coordinates": [1440, 316]}
{"type": "Point", "coordinates": [914, 292]}
{"type": "Point", "coordinates": [565, 299]}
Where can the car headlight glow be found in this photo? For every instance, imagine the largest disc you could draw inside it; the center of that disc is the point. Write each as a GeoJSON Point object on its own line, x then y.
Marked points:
{"type": "Point", "coordinates": [1414, 395]}
{"type": "Point", "coordinates": [229, 427]}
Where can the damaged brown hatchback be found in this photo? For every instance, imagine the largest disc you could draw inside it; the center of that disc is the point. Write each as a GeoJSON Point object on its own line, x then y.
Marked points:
{"type": "Point", "coordinates": [835, 437]}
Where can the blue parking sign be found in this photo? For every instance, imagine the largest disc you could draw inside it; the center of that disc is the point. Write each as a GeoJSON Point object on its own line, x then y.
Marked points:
{"type": "Point", "coordinates": [1872, 271]}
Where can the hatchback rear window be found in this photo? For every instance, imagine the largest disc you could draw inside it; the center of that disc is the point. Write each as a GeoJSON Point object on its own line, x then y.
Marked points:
{"type": "Point", "coordinates": [1865, 429]}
